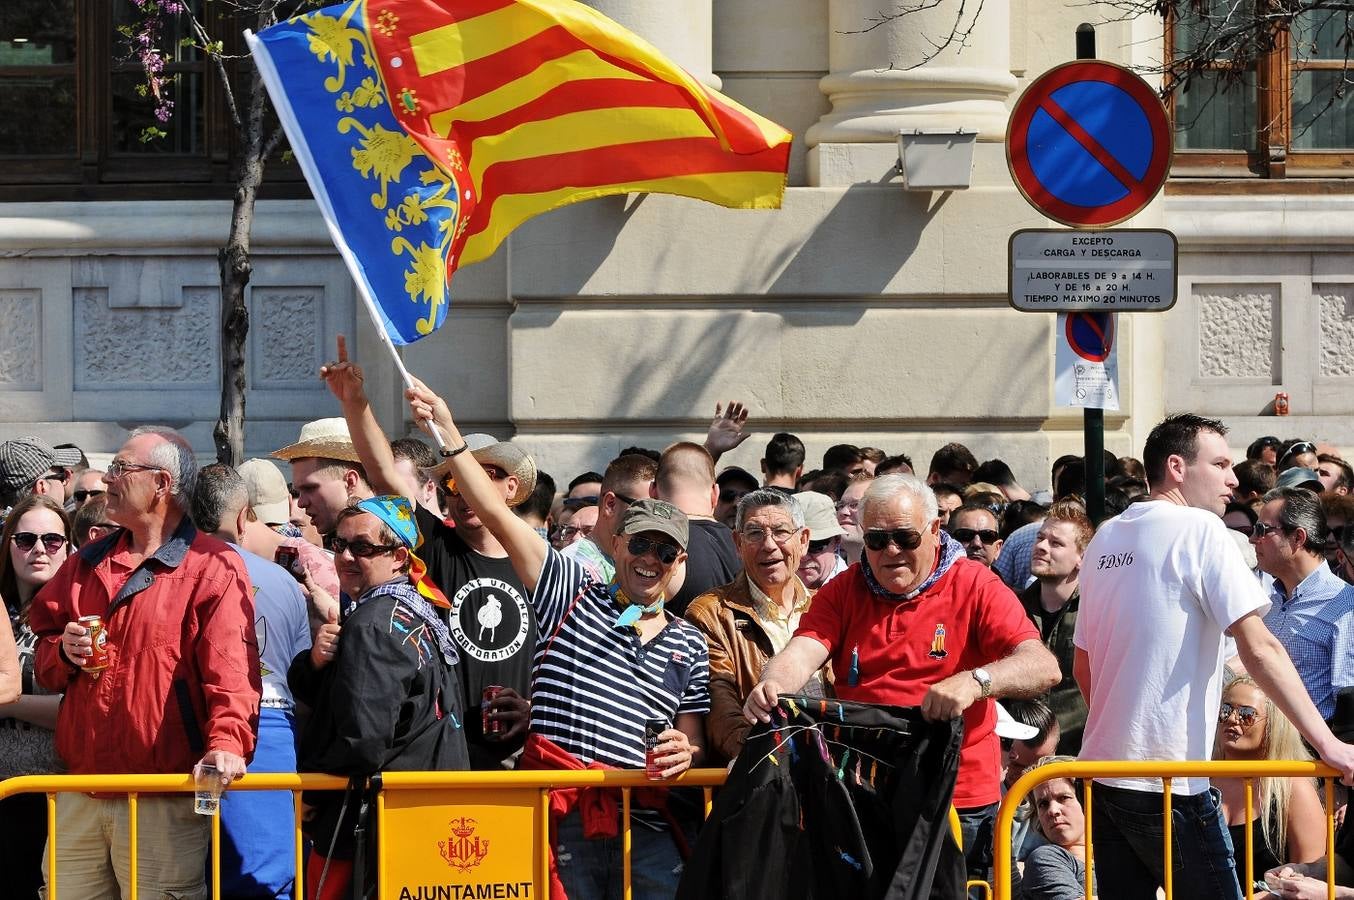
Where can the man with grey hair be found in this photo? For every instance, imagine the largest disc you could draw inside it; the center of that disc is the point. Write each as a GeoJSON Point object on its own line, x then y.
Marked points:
{"type": "Point", "coordinates": [917, 623]}
{"type": "Point", "coordinates": [181, 686]}
{"type": "Point", "coordinates": [258, 856]}
{"type": "Point", "coordinates": [1312, 609]}
{"type": "Point", "coordinates": [752, 618]}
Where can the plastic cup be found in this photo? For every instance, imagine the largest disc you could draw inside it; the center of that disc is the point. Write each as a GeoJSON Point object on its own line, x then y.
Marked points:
{"type": "Point", "coordinates": [207, 790]}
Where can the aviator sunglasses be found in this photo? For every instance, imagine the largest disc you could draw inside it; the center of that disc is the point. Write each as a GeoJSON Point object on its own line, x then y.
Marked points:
{"type": "Point", "coordinates": [1246, 715]}
{"type": "Point", "coordinates": [666, 553]}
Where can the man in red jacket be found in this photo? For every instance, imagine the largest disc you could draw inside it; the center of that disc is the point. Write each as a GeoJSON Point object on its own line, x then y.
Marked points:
{"type": "Point", "coordinates": [182, 682]}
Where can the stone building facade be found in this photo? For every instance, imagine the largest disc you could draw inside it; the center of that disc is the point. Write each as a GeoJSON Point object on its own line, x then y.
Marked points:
{"type": "Point", "coordinates": [860, 312]}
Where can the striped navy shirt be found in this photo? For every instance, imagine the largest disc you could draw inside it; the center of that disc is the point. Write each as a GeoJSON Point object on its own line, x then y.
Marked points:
{"type": "Point", "coordinates": [595, 684]}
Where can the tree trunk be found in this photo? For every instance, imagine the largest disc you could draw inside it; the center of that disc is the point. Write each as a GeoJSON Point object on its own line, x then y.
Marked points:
{"type": "Point", "coordinates": [236, 268]}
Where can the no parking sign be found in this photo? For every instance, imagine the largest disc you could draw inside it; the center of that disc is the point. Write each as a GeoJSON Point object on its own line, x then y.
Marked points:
{"type": "Point", "coordinates": [1086, 362]}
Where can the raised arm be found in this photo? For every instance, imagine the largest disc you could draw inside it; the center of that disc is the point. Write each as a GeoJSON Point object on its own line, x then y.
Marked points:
{"type": "Point", "coordinates": [1268, 663]}
{"type": "Point", "coordinates": [345, 382]}
{"type": "Point", "coordinates": [525, 547]}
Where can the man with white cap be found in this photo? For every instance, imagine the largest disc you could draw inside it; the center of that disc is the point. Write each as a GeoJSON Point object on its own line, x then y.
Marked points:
{"type": "Point", "coordinates": [490, 620]}
{"type": "Point", "coordinates": [32, 466]}
{"type": "Point", "coordinates": [326, 471]}
{"type": "Point", "coordinates": [822, 558]}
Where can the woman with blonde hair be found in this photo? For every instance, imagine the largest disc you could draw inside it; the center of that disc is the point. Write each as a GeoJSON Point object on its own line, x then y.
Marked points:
{"type": "Point", "coordinates": [1288, 821]}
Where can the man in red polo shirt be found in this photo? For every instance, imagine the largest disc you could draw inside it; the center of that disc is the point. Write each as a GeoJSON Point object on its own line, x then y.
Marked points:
{"type": "Point", "coordinates": [916, 623]}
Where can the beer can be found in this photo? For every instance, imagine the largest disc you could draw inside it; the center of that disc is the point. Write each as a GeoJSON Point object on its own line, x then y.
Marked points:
{"type": "Point", "coordinates": [490, 726]}
{"type": "Point", "coordinates": [1281, 403]}
{"type": "Point", "coordinates": [287, 557]}
{"type": "Point", "coordinates": [652, 729]}
{"type": "Point", "coordinates": [99, 635]}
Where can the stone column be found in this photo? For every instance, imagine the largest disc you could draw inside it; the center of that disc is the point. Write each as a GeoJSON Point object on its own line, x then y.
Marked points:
{"type": "Point", "coordinates": [680, 28]}
{"type": "Point", "coordinates": [874, 93]}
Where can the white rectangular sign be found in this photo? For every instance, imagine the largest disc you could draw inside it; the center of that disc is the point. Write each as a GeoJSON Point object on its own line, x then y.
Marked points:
{"type": "Point", "coordinates": [1086, 361]}
{"type": "Point", "coordinates": [1116, 270]}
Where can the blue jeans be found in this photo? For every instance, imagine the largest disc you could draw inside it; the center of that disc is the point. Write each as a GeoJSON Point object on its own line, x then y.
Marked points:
{"type": "Point", "coordinates": [977, 825]}
{"type": "Point", "coordinates": [1128, 833]}
{"type": "Point", "coordinates": [592, 869]}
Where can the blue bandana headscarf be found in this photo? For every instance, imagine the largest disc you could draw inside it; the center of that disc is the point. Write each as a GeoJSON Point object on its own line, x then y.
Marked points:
{"type": "Point", "coordinates": [398, 514]}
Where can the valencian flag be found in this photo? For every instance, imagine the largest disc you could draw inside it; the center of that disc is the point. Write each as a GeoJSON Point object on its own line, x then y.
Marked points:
{"type": "Point", "coordinates": [430, 129]}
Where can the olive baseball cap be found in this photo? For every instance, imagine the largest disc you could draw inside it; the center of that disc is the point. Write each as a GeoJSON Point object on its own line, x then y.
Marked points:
{"type": "Point", "coordinates": [655, 515]}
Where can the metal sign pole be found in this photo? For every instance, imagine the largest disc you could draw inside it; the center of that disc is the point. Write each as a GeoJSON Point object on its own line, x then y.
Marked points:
{"type": "Point", "coordinates": [1093, 420]}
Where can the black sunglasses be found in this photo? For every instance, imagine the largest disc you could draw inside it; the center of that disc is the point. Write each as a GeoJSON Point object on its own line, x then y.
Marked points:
{"type": "Point", "coordinates": [966, 535]}
{"type": "Point", "coordinates": [577, 503]}
{"type": "Point", "coordinates": [362, 549]}
{"type": "Point", "coordinates": [1246, 715]}
{"type": "Point", "coordinates": [51, 541]}
{"type": "Point", "coordinates": [817, 547]}
{"type": "Point", "coordinates": [905, 538]}
{"type": "Point", "coordinates": [1260, 529]}
{"type": "Point", "coordinates": [666, 553]}
{"type": "Point", "coordinates": [82, 496]}
{"type": "Point", "coordinates": [1299, 448]}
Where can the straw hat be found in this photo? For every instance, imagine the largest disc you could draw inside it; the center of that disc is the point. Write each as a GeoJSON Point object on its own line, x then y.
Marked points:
{"type": "Point", "coordinates": [327, 438]}
{"type": "Point", "coordinates": [509, 457]}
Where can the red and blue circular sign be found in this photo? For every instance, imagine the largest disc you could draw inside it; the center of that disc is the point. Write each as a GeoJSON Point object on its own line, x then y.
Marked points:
{"type": "Point", "coordinates": [1089, 143]}
{"type": "Point", "coordinates": [1091, 335]}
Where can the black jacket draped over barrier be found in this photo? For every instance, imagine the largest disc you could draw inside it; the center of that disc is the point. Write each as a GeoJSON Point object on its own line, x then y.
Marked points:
{"type": "Point", "coordinates": [834, 799]}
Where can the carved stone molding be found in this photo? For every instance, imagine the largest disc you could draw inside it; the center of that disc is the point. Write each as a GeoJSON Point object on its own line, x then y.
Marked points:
{"type": "Point", "coordinates": [146, 346]}
{"type": "Point", "coordinates": [1237, 325]}
{"type": "Point", "coordinates": [20, 339]}
{"type": "Point", "coordinates": [288, 330]}
{"type": "Point", "coordinates": [1337, 329]}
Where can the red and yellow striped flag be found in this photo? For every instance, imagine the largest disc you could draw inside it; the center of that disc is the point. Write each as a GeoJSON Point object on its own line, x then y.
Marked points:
{"type": "Point", "coordinates": [534, 104]}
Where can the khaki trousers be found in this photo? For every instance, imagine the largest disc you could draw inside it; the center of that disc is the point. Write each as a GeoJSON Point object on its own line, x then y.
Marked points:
{"type": "Point", "coordinates": [93, 846]}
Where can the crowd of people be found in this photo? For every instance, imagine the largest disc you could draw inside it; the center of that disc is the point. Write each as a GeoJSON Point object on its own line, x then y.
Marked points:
{"type": "Point", "coordinates": [358, 604]}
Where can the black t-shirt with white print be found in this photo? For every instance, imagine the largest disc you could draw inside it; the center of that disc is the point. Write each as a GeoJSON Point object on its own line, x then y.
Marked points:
{"type": "Point", "coordinates": [491, 622]}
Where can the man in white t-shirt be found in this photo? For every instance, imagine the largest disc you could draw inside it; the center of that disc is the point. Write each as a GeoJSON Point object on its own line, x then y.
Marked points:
{"type": "Point", "coordinates": [1160, 586]}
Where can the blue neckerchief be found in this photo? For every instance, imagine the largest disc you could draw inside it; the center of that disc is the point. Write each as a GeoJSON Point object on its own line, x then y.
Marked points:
{"type": "Point", "coordinates": [950, 551]}
{"type": "Point", "coordinates": [633, 611]}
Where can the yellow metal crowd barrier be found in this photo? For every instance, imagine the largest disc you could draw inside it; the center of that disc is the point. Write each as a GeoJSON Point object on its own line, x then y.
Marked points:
{"type": "Point", "coordinates": [403, 816]}
{"type": "Point", "coordinates": [1089, 769]}
{"type": "Point", "coordinates": [402, 819]}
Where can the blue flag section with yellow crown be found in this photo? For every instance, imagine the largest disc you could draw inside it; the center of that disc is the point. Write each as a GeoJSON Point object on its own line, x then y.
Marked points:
{"type": "Point", "coordinates": [392, 212]}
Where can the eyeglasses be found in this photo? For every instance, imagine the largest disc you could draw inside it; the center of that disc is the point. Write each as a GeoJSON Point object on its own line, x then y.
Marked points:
{"type": "Point", "coordinates": [362, 549]}
{"type": "Point", "coordinates": [756, 535]}
{"type": "Point", "coordinates": [966, 535]}
{"type": "Point", "coordinates": [569, 532]}
{"type": "Point", "coordinates": [56, 475]}
{"type": "Point", "coordinates": [628, 501]}
{"type": "Point", "coordinates": [82, 496]}
{"type": "Point", "coordinates": [1261, 529]}
{"type": "Point", "coordinates": [1246, 715]}
{"type": "Point", "coordinates": [666, 553]}
{"type": "Point", "coordinates": [116, 469]}
{"type": "Point", "coordinates": [51, 541]}
{"type": "Point", "coordinates": [494, 472]}
{"type": "Point", "coordinates": [816, 547]}
{"type": "Point", "coordinates": [905, 538]}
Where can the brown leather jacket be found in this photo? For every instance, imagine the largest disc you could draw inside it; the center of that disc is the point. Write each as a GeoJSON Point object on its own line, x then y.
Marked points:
{"type": "Point", "coordinates": [739, 650]}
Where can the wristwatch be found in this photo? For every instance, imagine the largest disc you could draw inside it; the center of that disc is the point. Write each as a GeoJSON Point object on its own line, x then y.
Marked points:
{"type": "Point", "coordinates": [984, 681]}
